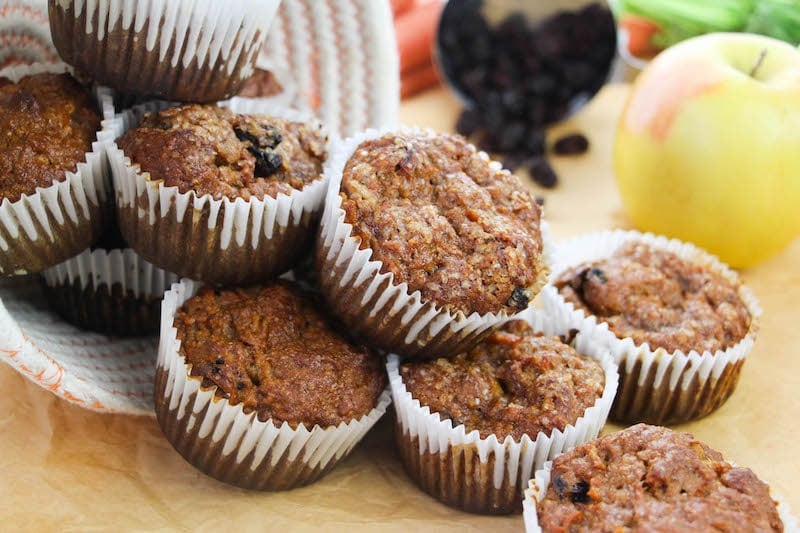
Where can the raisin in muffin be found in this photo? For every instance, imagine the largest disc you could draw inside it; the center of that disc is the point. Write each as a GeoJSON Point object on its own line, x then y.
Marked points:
{"type": "Point", "coordinates": [270, 358]}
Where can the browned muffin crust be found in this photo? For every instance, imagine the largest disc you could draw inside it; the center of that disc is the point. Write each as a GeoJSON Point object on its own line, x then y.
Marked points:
{"type": "Point", "coordinates": [270, 349]}
{"type": "Point", "coordinates": [212, 150]}
{"type": "Point", "coordinates": [649, 478]}
{"type": "Point", "coordinates": [514, 383]}
{"type": "Point", "coordinates": [654, 296]}
{"type": "Point", "coordinates": [443, 222]}
{"type": "Point", "coordinates": [49, 122]}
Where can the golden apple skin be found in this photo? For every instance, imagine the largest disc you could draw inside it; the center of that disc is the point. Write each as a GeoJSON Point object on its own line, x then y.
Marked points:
{"type": "Point", "coordinates": [708, 154]}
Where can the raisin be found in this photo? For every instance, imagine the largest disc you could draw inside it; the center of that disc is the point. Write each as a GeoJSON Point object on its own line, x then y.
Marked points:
{"type": "Point", "coordinates": [267, 162]}
{"type": "Point", "coordinates": [599, 274]}
{"type": "Point", "coordinates": [579, 492]}
{"type": "Point", "coordinates": [572, 144]}
{"type": "Point", "coordinates": [542, 173]}
{"type": "Point", "coordinates": [519, 299]}
{"type": "Point", "coordinates": [245, 136]}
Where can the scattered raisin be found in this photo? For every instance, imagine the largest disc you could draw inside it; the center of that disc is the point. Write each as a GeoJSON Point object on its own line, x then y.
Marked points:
{"type": "Point", "coordinates": [542, 173]}
{"type": "Point", "coordinates": [572, 144]}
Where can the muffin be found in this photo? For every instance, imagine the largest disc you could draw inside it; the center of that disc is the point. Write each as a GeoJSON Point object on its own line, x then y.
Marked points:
{"type": "Point", "coordinates": [425, 244]}
{"type": "Point", "coordinates": [237, 194]}
{"type": "Point", "coordinates": [255, 386]}
{"type": "Point", "coordinates": [648, 478]}
{"type": "Point", "coordinates": [108, 289]}
{"type": "Point", "coordinates": [678, 322]}
{"type": "Point", "coordinates": [472, 429]}
{"type": "Point", "coordinates": [53, 177]}
{"type": "Point", "coordinates": [199, 51]}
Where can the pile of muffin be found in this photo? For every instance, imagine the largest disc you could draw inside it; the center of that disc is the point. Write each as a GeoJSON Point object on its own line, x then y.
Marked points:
{"type": "Point", "coordinates": [318, 280]}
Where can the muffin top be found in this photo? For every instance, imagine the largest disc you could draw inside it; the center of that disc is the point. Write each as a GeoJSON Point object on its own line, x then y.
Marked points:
{"type": "Point", "coordinates": [649, 478]}
{"type": "Point", "coordinates": [513, 383]}
{"type": "Point", "coordinates": [441, 220]}
{"type": "Point", "coordinates": [654, 296]}
{"type": "Point", "coordinates": [212, 150]}
{"type": "Point", "coordinates": [49, 122]}
{"type": "Point", "coordinates": [270, 348]}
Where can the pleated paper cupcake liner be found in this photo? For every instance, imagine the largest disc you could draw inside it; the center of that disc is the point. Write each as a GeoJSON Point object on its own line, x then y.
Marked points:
{"type": "Point", "coordinates": [656, 387]}
{"type": "Point", "coordinates": [369, 302]}
{"type": "Point", "coordinates": [56, 222]}
{"type": "Point", "coordinates": [114, 292]}
{"type": "Point", "coordinates": [225, 241]}
{"type": "Point", "coordinates": [538, 485]}
{"type": "Point", "coordinates": [199, 51]}
{"type": "Point", "coordinates": [487, 475]}
{"type": "Point", "coordinates": [230, 445]}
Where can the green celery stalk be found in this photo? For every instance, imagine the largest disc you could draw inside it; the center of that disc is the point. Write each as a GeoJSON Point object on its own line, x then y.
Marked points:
{"type": "Point", "coordinates": [681, 19]}
{"type": "Point", "coordinates": [777, 18]}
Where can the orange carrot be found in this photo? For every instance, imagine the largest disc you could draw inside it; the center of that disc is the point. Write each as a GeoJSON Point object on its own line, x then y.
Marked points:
{"type": "Point", "coordinates": [415, 30]}
{"type": "Point", "coordinates": [640, 32]}
{"type": "Point", "coordinates": [418, 79]}
{"type": "Point", "coordinates": [401, 6]}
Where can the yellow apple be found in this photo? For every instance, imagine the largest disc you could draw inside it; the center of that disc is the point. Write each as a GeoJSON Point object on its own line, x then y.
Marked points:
{"type": "Point", "coordinates": [708, 146]}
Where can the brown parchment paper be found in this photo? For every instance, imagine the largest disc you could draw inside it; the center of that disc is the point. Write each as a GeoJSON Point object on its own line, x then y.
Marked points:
{"type": "Point", "coordinates": [64, 468]}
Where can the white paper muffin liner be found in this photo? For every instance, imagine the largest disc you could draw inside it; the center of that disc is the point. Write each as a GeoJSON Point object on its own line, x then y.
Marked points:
{"type": "Point", "coordinates": [486, 475]}
{"type": "Point", "coordinates": [228, 444]}
{"type": "Point", "coordinates": [538, 485]}
{"type": "Point", "coordinates": [56, 222]}
{"type": "Point", "coordinates": [225, 241]}
{"type": "Point", "coordinates": [655, 386]}
{"type": "Point", "coordinates": [141, 286]}
{"type": "Point", "coordinates": [193, 51]}
{"type": "Point", "coordinates": [369, 302]}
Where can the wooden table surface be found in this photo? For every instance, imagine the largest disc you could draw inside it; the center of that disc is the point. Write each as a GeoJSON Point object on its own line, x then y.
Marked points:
{"type": "Point", "coordinates": [68, 469]}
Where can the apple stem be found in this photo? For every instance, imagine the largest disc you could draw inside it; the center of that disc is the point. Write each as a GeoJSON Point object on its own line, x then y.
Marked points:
{"type": "Point", "coordinates": [758, 63]}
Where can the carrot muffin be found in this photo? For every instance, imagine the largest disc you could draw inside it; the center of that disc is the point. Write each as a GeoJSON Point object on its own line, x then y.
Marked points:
{"type": "Point", "coordinates": [649, 478]}
{"type": "Point", "coordinates": [678, 322]}
{"type": "Point", "coordinates": [200, 51]}
{"type": "Point", "coordinates": [108, 288]}
{"type": "Point", "coordinates": [517, 393]}
{"type": "Point", "coordinates": [443, 221]}
{"type": "Point", "coordinates": [268, 355]}
{"type": "Point", "coordinates": [239, 194]}
{"type": "Point", "coordinates": [49, 123]}
{"type": "Point", "coordinates": [449, 245]}
{"type": "Point", "coordinates": [653, 296]}
{"type": "Point", "coordinates": [272, 350]}
{"type": "Point", "coordinates": [212, 150]}
{"type": "Point", "coordinates": [514, 383]}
